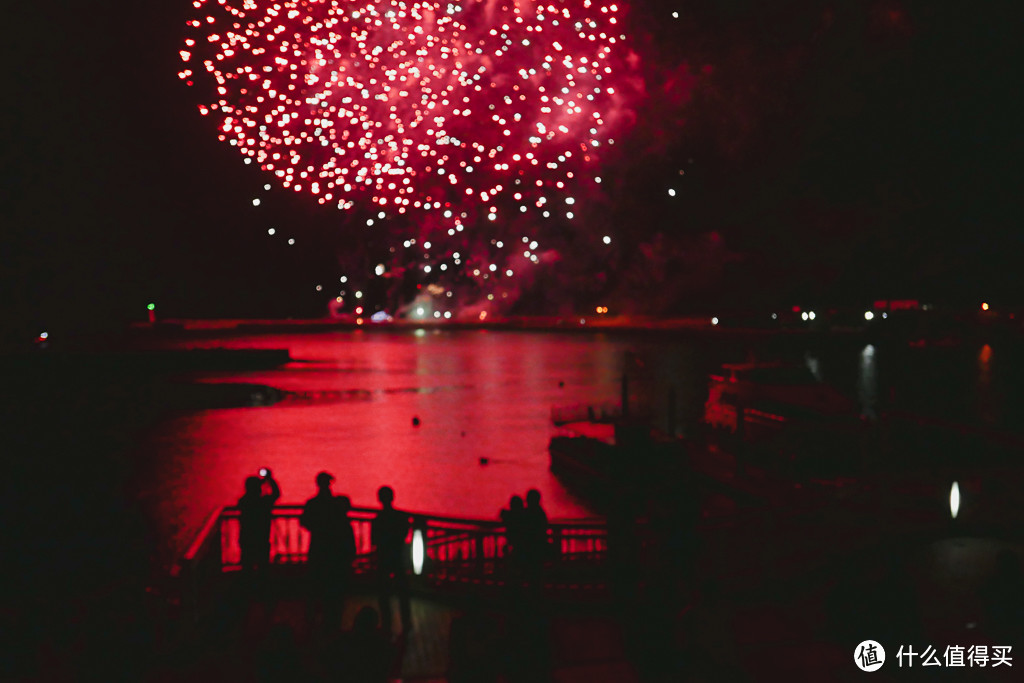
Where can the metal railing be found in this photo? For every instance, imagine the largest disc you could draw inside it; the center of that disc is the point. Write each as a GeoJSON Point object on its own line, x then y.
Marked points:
{"type": "Point", "coordinates": [457, 552]}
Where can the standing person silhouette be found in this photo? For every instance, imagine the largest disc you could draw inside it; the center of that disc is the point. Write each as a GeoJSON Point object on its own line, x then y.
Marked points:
{"type": "Point", "coordinates": [387, 534]}
{"type": "Point", "coordinates": [256, 509]}
{"type": "Point", "coordinates": [535, 536]}
{"type": "Point", "coordinates": [515, 545]}
{"type": "Point", "coordinates": [332, 547]}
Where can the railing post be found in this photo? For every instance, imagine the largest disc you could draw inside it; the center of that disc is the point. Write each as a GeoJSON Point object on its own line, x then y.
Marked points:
{"type": "Point", "coordinates": [479, 552]}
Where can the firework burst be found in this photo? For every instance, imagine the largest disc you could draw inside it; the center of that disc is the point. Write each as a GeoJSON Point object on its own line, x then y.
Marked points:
{"type": "Point", "coordinates": [467, 109]}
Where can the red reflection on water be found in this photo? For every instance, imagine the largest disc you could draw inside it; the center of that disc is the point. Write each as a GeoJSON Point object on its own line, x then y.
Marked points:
{"type": "Point", "coordinates": [476, 395]}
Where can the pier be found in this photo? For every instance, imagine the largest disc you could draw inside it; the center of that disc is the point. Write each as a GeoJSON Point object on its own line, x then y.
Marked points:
{"type": "Point", "coordinates": [777, 570]}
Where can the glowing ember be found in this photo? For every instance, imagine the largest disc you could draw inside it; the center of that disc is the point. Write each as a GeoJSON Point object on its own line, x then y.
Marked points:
{"type": "Point", "coordinates": [412, 105]}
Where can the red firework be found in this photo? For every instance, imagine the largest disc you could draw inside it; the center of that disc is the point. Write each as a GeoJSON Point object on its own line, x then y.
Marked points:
{"type": "Point", "coordinates": [414, 105]}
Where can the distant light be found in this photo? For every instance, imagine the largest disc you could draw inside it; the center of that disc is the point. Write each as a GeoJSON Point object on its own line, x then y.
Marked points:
{"type": "Point", "coordinates": [483, 315]}
{"type": "Point", "coordinates": [606, 239]}
{"type": "Point", "coordinates": [954, 500]}
{"type": "Point", "coordinates": [775, 316]}
{"type": "Point", "coordinates": [256, 202]}
{"type": "Point", "coordinates": [319, 288]}
{"type": "Point", "coordinates": [379, 270]}
{"type": "Point", "coordinates": [984, 306]}
{"type": "Point", "coordinates": [671, 192]}
{"type": "Point", "coordinates": [583, 321]}
{"type": "Point", "coordinates": [803, 316]}
{"type": "Point", "coordinates": [714, 321]}
{"type": "Point", "coordinates": [426, 245]}
{"type": "Point", "coordinates": [359, 321]}
{"type": "Point", "coordinates": [419, 311]}
{"type": "Point", "coordinates": [885, 315]}
{"type": "Point", "coordinates": [44, 335]}
{"type": "Point", "coordinates": [379, 317]}
{"type": "Point", "coordinates": [359, 295]}
{"type": "Point", "coordinates": [359, 310]}
{"type": "Point", "coordinates": [868, 315]}
{"type": "Point", "coordinates": [291, 241]}
{"type": "Point", "coordinates": [343, 279]}
{"type": "Point", "coordinates": [267, 186]}
{"type": "Point", "coordinates": [810, 314]}
{"type": "Point", "coordinates": [417, 552]}
{"type": "Point", "coordinates": [151, 307]}
{"type": "Point", "coordinates": [426, 269]}
{"type": "Point", "coordinates": [492, 267]}
{"type": "Point", "coordinates": [437, 314]}
{"type": "Point", "coordinates": [447, 314]}
{"type": "Point", "coordinates": [271, 231]}
{"type": "Point", "coordinates": [675, 15]}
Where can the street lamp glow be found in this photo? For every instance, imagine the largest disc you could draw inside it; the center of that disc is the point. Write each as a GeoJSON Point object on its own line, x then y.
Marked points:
{"type": "Point", "coordinates": [418, 553]}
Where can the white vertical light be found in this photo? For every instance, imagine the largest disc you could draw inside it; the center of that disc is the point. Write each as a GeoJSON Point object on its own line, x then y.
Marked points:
{"type": "Point", "coordinates": [954, 499]}
{"type": "Point", "coordinates": [418, 552]}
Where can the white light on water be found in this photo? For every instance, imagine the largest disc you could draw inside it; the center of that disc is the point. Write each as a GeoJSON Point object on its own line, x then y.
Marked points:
{"type": "Point", "coordinates": [417, 552]}
{"type": "Point", "coordinates": [954, 499]}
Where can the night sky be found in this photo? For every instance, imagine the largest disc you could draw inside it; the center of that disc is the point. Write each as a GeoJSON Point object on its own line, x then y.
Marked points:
{"type": "Point", "coordinates": [833, 153]}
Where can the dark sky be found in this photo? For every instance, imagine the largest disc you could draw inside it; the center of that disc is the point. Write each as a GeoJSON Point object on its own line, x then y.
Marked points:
{"type": "Point", "coordinates": [845, 151]}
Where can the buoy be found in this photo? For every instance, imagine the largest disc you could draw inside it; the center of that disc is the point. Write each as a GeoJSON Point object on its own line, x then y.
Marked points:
{"type": "Point", "coordinates": [415, 421]}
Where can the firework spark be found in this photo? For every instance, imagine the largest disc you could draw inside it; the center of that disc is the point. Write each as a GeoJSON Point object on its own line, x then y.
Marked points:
{"type": "Point", "coordinates": [462, 108]}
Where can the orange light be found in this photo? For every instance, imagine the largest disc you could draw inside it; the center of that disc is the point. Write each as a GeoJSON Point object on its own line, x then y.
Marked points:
{"type": "Point", "coordinates": [359, 321]}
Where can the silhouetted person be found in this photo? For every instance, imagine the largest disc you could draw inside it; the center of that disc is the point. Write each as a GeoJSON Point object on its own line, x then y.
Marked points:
{"type": "Point", "coordinates": [527, 643]}
{"type": "Point", "coordinates": [364, 654]}
{"type": "Point", "coordinates": [535, 548]}
{"type": "Point", "coordinates": [256, 509]}
{"type": "Point", "coordinates": [332, 548]}
{"type": "Point", "coordinates": [387, 533]}
{"type": "Point", "coordinates": [514, 521]}
{"type": "Point", "coordinates": [473, 654]}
